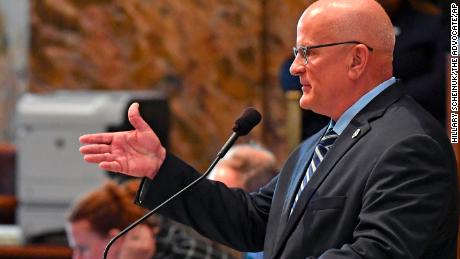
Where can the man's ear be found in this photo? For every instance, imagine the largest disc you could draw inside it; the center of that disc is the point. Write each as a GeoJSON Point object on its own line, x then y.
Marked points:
{"type": "Point", "coordinates": [358, 61]}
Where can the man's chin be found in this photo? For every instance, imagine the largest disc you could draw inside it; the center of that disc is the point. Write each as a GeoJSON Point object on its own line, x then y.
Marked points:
{"type": "Point", "coordinates": [304, 103]}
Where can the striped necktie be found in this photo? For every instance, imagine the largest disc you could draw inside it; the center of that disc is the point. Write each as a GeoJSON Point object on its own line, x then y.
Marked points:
{"type": "Point", "coordinates": [321, 149]}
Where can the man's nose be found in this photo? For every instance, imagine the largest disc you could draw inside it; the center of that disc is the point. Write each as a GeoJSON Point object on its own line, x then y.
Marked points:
{"type": "Point", "coordinates": [297, 67]}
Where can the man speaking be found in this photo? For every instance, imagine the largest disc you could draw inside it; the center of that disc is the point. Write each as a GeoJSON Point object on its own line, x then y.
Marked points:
{"type": "Point", "coordinates": [378, 182]}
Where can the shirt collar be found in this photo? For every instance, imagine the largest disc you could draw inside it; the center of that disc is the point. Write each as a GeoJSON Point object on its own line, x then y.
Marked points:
{"type": "Point", "coordinates": [351, 112]}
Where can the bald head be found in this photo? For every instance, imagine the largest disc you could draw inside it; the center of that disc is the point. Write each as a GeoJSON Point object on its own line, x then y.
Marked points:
{"type": "Point", "coordinates": [360, 59]}
{"type": "Point", "coordinates": [361, 20]}
{"type": "Point", "coordinates": [245, 166]}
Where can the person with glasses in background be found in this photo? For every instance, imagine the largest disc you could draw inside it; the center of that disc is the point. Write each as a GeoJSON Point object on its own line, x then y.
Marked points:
{"type": "Point", "coordinates": [379, 181]}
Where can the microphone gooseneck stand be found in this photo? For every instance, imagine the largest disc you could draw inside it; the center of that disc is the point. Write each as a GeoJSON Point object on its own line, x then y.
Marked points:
{"type": "Point", "coordinates": [249, 119]}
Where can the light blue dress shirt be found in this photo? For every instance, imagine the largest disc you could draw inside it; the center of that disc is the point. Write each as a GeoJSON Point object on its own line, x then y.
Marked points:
{"type": "Point", "coordinates": [351, 112]}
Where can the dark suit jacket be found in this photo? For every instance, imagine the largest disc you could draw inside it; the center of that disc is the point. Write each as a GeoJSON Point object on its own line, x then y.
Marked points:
{"type": "Point", "coordinates": [389, 192]}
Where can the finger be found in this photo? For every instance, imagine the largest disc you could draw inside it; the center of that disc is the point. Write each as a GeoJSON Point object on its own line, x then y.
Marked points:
{"type": "Point", "coordinates": [113, 166]}
{"type": "Point", "coordinates": [99, 138]}
{"type": "Point", "coordinates": [135, 118]}
{"type": "Point", "coordinates": [95, 149]}
{"type": "Point", "coordinates": [99, 158]}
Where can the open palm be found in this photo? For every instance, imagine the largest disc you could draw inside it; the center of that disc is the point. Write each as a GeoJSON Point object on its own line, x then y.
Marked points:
{"type": "Point", "coordinates": [136, 153]}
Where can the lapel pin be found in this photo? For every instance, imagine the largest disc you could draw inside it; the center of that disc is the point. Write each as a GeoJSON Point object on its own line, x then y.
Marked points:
{"type": "Point", "coordinates": [356, 133]}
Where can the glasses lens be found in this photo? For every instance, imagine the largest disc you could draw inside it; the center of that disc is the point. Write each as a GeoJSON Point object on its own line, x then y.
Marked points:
{"type": "Point", "coordinates": [303, 52]}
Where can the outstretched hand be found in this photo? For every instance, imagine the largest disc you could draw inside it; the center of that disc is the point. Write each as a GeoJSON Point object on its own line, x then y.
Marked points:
{"type": "Point", "coordinates": [136, 153]}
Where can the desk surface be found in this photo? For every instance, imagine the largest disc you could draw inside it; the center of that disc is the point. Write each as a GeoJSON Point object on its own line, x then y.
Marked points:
{"type": "Point", "coordinates": [36, 252]}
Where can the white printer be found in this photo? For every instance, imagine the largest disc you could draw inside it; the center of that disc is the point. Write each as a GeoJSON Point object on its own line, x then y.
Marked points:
{"type": "Point", "coordinates": [51, 172]}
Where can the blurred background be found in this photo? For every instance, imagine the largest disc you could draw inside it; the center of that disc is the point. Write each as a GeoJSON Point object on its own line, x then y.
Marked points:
{"type": "Point", "coordinates": [69, 67]}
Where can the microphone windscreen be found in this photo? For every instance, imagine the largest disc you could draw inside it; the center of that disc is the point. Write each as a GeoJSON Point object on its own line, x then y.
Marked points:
{"type": "Point", "coordinates": [248, 120]}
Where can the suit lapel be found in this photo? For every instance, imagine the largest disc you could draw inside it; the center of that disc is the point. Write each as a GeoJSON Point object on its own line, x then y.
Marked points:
{"type": "Point", "coordinates": [299, 172]}
{"type": "Point", "coordinates": [347, 139]}
{"type": "Point", "coordinates": [296, 173]}
{"type": "Point", "coordinates": [343, 143]}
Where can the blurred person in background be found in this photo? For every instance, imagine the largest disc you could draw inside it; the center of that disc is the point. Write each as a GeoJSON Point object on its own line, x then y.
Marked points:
{"type": "Point", "coordinates": [422, 43]}
{"type": "Point", "coordinates": [245, 166]}
{"type": "Point", "coordinates": [101, 214]}
{"type": "Point", "coordinates": [248, 167]}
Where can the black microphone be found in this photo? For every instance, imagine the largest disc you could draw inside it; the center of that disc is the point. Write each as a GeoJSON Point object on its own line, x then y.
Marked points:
{"type": "Point", "coordinates": [248, 120]}
{"type": "Point", "coordinates": [243, 125]}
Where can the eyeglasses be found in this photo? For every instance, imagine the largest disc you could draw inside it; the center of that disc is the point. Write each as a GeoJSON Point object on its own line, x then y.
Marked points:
{"type": "Point", "coordinates": [305, 50]}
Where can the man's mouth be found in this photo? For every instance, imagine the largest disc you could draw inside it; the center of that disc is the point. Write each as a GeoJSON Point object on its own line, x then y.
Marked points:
{"type": "Point", "coordinates": [306, 87]}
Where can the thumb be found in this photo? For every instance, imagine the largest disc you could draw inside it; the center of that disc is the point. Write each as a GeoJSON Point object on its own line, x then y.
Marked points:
{"type": "Point", "coordinates": [135, 118]}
